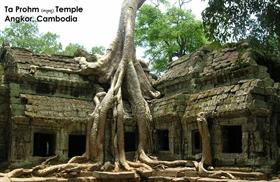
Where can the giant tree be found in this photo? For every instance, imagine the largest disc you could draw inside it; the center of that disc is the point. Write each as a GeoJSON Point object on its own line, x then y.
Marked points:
{"type": "Point", "coordinates": [122, 70]}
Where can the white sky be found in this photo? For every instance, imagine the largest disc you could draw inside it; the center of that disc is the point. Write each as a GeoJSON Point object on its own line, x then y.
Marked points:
{"type": "Point", "coordinates": [96, 25]}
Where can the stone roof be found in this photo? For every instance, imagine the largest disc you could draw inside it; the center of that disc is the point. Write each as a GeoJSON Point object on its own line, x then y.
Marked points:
{"type": "Point", "coordinates": [45, 107]}
{"type": "Point", "coordinates": [228, 100]}
{"type": "Point", "coordinates": [22, 63]}
{"type": "Point", "coordinates": [181, 68]}
{"type": "Point", "coordinates": [220, 82]}
{"type": "Point", "coordinates": [204, 65]}
{"type": "Point", "coordinates": [168, 107]}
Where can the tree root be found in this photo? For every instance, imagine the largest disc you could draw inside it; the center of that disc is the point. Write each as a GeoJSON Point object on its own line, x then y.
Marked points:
{"type": "Point", "coordinates": [139, 165]}
{"type": "Point", "coordinates": [144, 167]}
{"type": "Point", "coordinates": [220, 174]}
{"type": "Point", "coordinates": [211, 174]}
{"type": "Point", "coordinates": [156, 163]}
{"type": "Point", "coordinates": [50, 159]}
{"type": "Point", "coordinates": [206, 150]}
{"type": "Point", "coordinates": [18, 172]}
{"type": "Point", "coordinates": [78, 159]}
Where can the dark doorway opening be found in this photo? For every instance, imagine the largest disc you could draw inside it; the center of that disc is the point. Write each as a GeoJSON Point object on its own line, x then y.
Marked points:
{"type": "Point", "coordinates": [196, 142]}
{"type": "Point", "coordinates": [76, 145]}
{"type": "Point", "coordinates": [130, 141]}
{"type": "Point", "coordinates": [163, 140]}
{"type": "Point", "coordinates": [43, 88]}
{"type": "Point", "coordinates": [3, 146]}
{"type": "Point", "coordinates": [278, 133]}
{"type": "Point", "coordinates": [44, 144]}
{"type": "Point", "coordinates": [232, 139]}
{"type": "Point", "coordinates": [75, 92]}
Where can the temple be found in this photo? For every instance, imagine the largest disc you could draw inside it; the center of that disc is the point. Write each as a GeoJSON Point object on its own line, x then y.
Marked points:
{"type": "Point", "coordinates": [45, 104]}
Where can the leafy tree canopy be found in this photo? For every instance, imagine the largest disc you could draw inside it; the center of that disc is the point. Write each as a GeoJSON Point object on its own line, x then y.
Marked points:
{"type": "Point", "coordinates": [98, 50]}
{"type": "Point", "coordinates": [167, 33]}
{"type": "Point", "coordinates": [71, 48]}
{"type": "Point", "coordinates": [27, 35]}
{"type": "Point", "coordinates": [234, 20]}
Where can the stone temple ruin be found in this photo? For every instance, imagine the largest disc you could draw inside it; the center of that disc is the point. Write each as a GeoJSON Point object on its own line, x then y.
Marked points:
{"type": "Point", "coordinates": [239, 90]}
{"type": "Point", "coordinates": [45, 103]}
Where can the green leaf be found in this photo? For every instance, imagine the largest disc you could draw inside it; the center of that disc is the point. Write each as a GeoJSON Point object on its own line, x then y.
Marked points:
{"type": "Point", "coordinates": [164, 34]}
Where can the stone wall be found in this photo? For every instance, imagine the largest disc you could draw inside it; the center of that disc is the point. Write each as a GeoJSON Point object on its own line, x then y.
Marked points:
{"type": "Point", "coordinates": [4, 127]}
{"type": "Point", "coordinates": [47, 105]}
{"type": "Point", "coordinates": [237, 88]}
{"type": "Point", "coordinates": [167, 114]}
{"type": "Point", "coordinates": [44, 98]}
{"type": "Point", "coordinates": [58, 114]}
{"type": "Point", "coordinates": [4, 117]}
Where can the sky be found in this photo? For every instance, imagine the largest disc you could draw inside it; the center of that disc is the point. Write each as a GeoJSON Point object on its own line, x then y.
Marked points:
{"type": "Point", "coordinates": [96, 25]}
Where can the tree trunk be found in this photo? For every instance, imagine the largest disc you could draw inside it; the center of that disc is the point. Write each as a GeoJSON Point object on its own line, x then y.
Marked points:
{"type": "Point", "coordinates": [123, 71]}
{"type": "Point", "coordinates": [205, 136]}
{"type": "Point", "coordinates": [118, 64]}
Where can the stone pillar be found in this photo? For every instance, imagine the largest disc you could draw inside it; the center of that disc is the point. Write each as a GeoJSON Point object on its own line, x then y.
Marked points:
{"type": "Point", "coordinates": [62, 144]}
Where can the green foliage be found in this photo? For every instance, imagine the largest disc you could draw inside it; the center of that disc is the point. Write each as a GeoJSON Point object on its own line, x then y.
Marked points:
{"type": "Point", "coordinates": [165, 34]}
{"type": "Point", "coordinates": [98, 50]}
{"type": "Point", "coordinates": [20, 34]}
{"type": "Point", "coordinates": [48, 44]}
{"type": "Point", "coordinates": [71, 48]}
{"type": "Point", "coordinates": [27, 35]}
{"type": "Point", "coordinates": [234, 20]}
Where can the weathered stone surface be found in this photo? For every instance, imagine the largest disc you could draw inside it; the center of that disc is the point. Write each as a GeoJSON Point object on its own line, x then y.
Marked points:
{"type": "Point", "coordinates": [23, 64]}
{"type": "Point", "coordinates": [235, 87]}
{"type": "Point", "coordinates": [115, 175]}
{"type": "Point", "coordinates": [65, 109]}
{"type": "Point", "coordinates": [41, 94]}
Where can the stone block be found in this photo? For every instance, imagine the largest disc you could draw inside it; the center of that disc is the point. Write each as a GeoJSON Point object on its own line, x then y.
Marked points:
{"type": "Point", "coordinates": [15, 100]}
{"type": "Point", "coordinates": [114, 175]}
{"type": "Point", "coordinates": [260, 104]}
{"type": "Point", "coordinates": [17, 110]}
{"type": "Point", "coordinates": [14, 89]}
